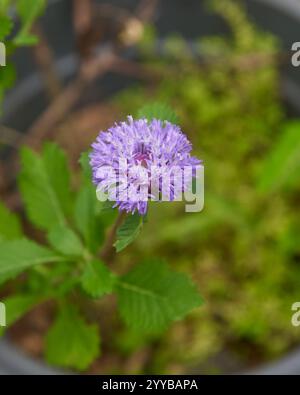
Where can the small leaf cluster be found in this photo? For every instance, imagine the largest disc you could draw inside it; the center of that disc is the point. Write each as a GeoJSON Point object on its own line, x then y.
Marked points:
{"type": "Point", "coordinates": [16, 20]}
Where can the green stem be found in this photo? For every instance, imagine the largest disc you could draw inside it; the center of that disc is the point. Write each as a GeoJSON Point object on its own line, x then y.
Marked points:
{"type": "Point", "coordinates": [107, 251]}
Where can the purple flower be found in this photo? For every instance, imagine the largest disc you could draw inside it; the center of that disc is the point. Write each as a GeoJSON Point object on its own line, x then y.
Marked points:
{"type": "Point", "coordinates": [132, 160]}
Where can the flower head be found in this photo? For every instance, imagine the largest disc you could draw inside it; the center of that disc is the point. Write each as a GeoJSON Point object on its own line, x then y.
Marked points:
{"type": "Point", "coordinates": [132, 160]}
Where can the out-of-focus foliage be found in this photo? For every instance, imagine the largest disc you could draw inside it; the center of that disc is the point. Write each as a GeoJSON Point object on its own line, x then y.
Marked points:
{"type": "Point", "coordinates": [158, 110]}
{"type": "Point", "coordinates": [282, 166]}
{"type": "Point", "coordinates": [242, 250]}
{"type": "Point", "coordinates": [245, 245]}
{"type": "Point", "coordinates": [16, 20]}
{"type": "Point", "coordinates": [150, 296]}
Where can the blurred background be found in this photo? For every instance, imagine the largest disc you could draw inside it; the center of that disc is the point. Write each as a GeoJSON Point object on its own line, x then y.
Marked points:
{"type": "Point", "coordinates": [225, 67]}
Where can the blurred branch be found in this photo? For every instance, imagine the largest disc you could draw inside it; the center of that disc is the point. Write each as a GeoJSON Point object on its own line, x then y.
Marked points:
{"type": "Point", "coordinates": [246, 62]}
{"type": "Point", "coordinates": [135, 69]}
{"type": "Point", "coordinates": [44, 58]}
{"type": "Point", "coordinates": [56, 111]}
{"type": "Point", "coordinates": [110, 61]}
{"type": "Point", "coordinates": [89, 71]}
{"type": "Point", "coordinates": [8, 169]}
{"type": "Point", "coordinates": [9, 136]}
{"type": "Point", "coordinates": [254, 61]}
{"type": "Point", "coordinates": [82, 15]}
{"type": "Point", "coordinates": [146, 10]}
{"type": "Point", "coordinates": [82, 21]}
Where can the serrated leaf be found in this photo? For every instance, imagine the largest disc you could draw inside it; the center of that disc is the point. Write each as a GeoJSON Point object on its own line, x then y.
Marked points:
{"type": "Point", "coordinates": [71, 342]}
{"type": "Point", "coordinates": [97, 279]}
{"type": "Point", "coordinates": [19, 255]}
{"type": "Point", "coordinates": [128, 231]}
{"type": "Point", "coordinates": [88, 207]}
{"type": "Point", "coordinates": [282, 165]}
{"type": "Point", "coordinates": [16, 306]}
{"type": "Point", "coordinates": [45, 187]}
{"type": "Point", "coordinates": [151, 296]}
{"type": "Point", "coordinates": [158, 111]}
{"type": "Point", "coordinates": [65, 241]}
{"type": "Point", "coordinates": [10, 227]}
{"type": "Point", "coordinates": [86, 211]}
{"type": "Point", "coordinates": [5, 26]}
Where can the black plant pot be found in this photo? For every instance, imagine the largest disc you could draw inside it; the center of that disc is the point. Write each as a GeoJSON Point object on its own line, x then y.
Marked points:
{"type": "Point", "coordinates": [188, 17]}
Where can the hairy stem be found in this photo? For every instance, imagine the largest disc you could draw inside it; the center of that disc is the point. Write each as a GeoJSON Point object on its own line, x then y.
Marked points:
{"type": "Point", "coordinates": [107, 251]}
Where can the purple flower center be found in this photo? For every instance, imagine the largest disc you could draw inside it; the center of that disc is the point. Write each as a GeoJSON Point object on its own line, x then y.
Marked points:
{"type": "Point", "coordinates": [141, 153]}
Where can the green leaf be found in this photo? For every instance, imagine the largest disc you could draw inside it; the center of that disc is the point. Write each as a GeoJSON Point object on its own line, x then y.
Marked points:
{"type": "Point", "coordinates": [158, 111]}
{"type": "Point", "coordinates": [151, 296]}
{"type": "Point", "coordinates": [177, 47]}
{"type": "Point", "coordinates": [65, 241]}
{"type": "Point", "coordinates": [19, 255]}
{"type": "Point", "coordinates": [97, 279]}
{"type": "Point", "coordinates": [128, 231]}
{"type": "Point", "coordinates": [10, 227]}
{"type": "Point", "coordinates": [4, 4]}
{"type": "Point", "coordinates": [282, 165]}
{"type": "Point", "coordinates": [16, 306]}
{"type": "Point", "coordinates": [5, 26]}
{"type": "Point", "coordinates": [7, 76]}
{"type": "Point", "coordinates": [289, 240]}
{"type": "Point", "coordinates": [45, 187]}
{"type": "Point", "coordinates": [71, 342]}
{"type": "Point", "coordinates": [28, 11]}
{"type": "Point", "coordinates": [23, 40]}
{"type": "Point", "coordinates": [87, 209]}
{"type": "Point", "coordinates": [85, 165]}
